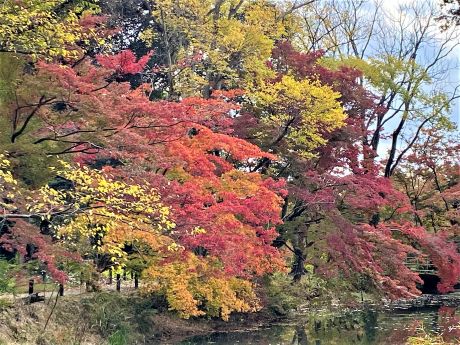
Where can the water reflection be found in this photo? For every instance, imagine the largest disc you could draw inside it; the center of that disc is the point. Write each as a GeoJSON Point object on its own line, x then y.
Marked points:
{"type": "Point", "coordinates": [364, 328]}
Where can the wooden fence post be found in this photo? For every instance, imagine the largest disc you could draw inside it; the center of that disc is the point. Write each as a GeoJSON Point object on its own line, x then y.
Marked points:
{"type": "Point", "coordinates": [61, 290]}
{"type": "Point", "coordinates": [31, 286]}
{"type": "Point", "coordinates": [44, 282]}
{"type": "Point", "coordinates": [118, 282]}
{"type": "Point", "coordinates": [136, 280]}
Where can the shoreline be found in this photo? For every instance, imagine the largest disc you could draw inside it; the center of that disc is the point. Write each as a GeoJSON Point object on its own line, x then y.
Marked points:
{"type": "Point", "coordinates": [140, 318]}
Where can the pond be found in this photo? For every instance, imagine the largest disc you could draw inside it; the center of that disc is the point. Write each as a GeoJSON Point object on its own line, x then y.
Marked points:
{"type": "Point", "coordinates": [369, 327]}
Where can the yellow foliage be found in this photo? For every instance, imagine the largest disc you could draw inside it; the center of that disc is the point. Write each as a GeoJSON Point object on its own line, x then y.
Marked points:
{"type": "Point", "coordinates": [44, 27]}
{"type": "Point", "coordinates": [428, 340]}
{"type": "Point", "coordinates": [234, 38]}
{"type": "Point", "coordinates": [300, 112]}
{"type": "Point", "coordinates": [241, 183]}
{"type": "Point", "coordinates": [8, 184]}
{"type": "Point", "coordinates": [115, 212]}
{"type": "Point", "coordinates": [112, 214]}
{"type": "Point", "coordinates": [195, 286]}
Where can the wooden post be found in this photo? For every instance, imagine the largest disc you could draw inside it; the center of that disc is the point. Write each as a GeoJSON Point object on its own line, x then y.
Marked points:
{"type": "Point", "coordinates": [31, 286]}
{"type": "Point", "coordinates": [136, 280]}
{"type": "Point", "coordinates": [110, 276]}
{"type": "Point", "coordinates": [44, 282]}
{"type": "Point", "coordinates": [61, 289]}
{"type": "Point", "coordinates": [118, 282]}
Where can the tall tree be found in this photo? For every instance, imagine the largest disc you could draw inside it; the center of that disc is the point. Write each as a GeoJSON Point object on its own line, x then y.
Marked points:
{"type": "Point", "coordinates": [429, 176]}
{"type": "Point", "coordinates": [223, 218]}
{"type": "Point", "coordinates": [339, 205]}
{"type": "Point", "coordinates": [406, 60]}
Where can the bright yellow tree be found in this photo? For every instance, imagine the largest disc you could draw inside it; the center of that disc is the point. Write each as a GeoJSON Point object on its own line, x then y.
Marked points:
{"type": "Point", "coordinates": [195, 286]}
{"type": "Point", "coordinates": [298, 113]}
{"type": "Point", "coordinates": [49, 28]}
{"type": "Point", "coordinates": [111, 212]}
{"type": "Point", "coordinates": [210, 43]}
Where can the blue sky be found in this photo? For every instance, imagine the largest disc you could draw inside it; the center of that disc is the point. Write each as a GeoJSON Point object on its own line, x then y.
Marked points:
{"type": "Point", "coordinates": [393, 7]}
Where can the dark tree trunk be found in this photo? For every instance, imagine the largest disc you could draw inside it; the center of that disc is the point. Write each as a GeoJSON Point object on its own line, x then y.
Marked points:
{"type": "Point", "coordinates": [300, 248]}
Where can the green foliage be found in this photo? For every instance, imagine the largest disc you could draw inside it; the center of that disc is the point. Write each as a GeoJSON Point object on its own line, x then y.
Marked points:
{"type": "Point", "coordinates": [10, 65]}
{"type": "Point", "coordinates": [119, 337]}
{"type": "Point", "coordinates": [284, 295]}
{"type": "Point", "coordinates": [407, 80]}
{"type": "Point", "coordinates": [7, 283]}
{"type": "Point", "coordinates": [29, 162]}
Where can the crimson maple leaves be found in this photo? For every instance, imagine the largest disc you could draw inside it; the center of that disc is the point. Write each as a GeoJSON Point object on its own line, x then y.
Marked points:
{"type": "Point", "coordinates": [184, 149]}
{"type": "Point", "coordinates": [230, 196]}
{"type": "Point", "coordinates": [341, 214]}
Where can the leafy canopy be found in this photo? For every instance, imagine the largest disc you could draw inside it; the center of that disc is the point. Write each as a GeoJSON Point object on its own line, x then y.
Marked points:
{"type": "Point", "coordinates": [50, 28]}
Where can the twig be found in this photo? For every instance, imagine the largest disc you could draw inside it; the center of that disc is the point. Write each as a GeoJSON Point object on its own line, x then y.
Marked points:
{"type": "Point", "coordinates": [52, 310]}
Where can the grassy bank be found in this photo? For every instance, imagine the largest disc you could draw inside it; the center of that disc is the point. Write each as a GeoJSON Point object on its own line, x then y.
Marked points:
{"type": "Point", "coordinates": [106, 318]}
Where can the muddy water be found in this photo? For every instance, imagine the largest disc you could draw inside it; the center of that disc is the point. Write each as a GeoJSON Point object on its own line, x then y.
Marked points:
{"type": "Point", "coordinates": [368, 327]}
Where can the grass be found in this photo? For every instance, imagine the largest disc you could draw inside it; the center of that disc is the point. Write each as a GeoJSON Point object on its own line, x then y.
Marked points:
{"type": "Point", "coordinates": [119, 337]}
{"type": "Point", "coordinates": [39, 287]}
{"type": "Point", "coordinates": [101, 318]}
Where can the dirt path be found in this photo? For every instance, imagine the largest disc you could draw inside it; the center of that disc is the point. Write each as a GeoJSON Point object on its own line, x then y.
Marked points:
{"type": "Point", "coordinates": [52, 289]}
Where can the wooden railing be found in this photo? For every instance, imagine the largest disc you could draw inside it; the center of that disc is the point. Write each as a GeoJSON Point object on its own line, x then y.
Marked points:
{"type": "Point", "coordinates": [420, 265]}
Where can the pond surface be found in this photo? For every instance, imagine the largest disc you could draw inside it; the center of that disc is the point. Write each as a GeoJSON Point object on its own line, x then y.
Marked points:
{"type": "Point", "coordinates": [368, 327]}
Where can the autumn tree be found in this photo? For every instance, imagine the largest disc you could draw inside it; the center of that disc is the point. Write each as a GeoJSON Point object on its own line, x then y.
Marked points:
{"type": "Point", "coordinates": [206, 46]}
{"type": "Point", "coordinates": [224, 218]}
{"type": "Point", "coordinates": [429, 176]}
{"type": "Point", "coordinates": [338, 204]}
{"type": "Point", "coordinates": [405, 60]}
{"type": "Point", "coordinates": [109, 214]}
{"type": "Point", "coordinates": [48, 28]}
{"type": "Point", "coordinates": [223, 135]}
